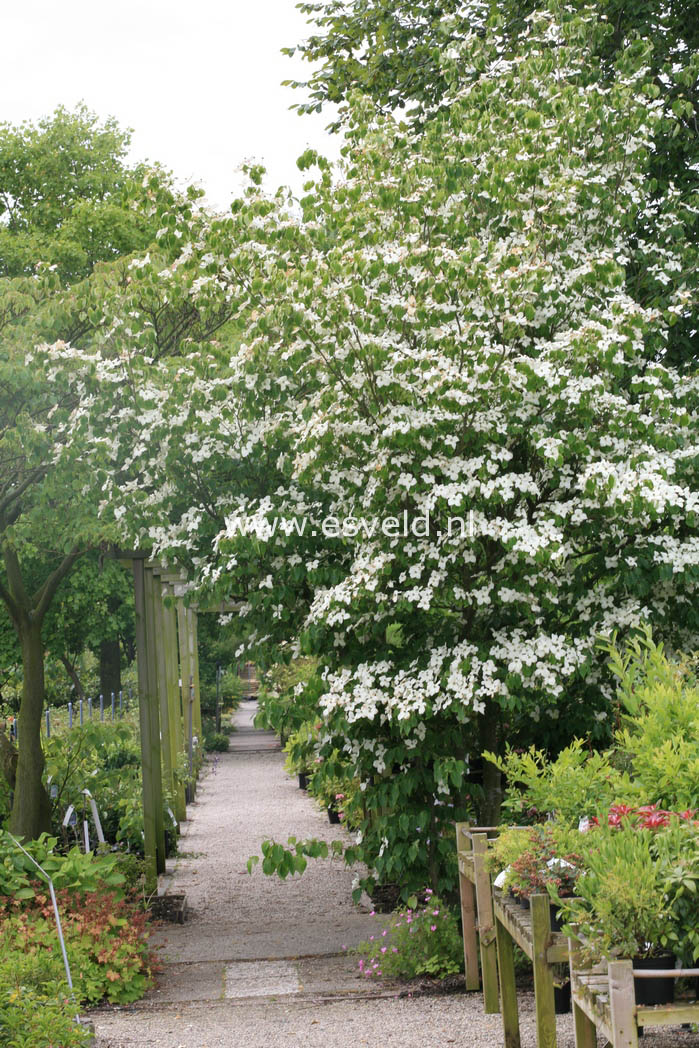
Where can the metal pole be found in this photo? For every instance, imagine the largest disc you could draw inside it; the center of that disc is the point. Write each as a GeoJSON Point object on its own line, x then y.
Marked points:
{"type": "Point", "coordinates": [113, 705]}
{"type": "Point", "coordinates": [101, 707]}
{"type": "Point", "coordinates": [121, 704]}
{"type": "Point", "coordinates": [89, 707]}
{"type": "Point", "coordinates": [48, 725]}
{"type": "Point", "coordinates": [58, 919]}
{"type": "Point", "coordinates": [70, 714]}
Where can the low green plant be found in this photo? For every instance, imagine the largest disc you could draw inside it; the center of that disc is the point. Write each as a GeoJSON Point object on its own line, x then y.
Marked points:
{"type": "Point", "coordinates": [105, 942]}
{"type": "Point", "coordinates": [216, 742]}
{"type": "Point", "coordinates": [31, 1018]}
{"type": "Point", "coordinates": [620, 908]}
{"type": "Point", "coordinates": [302, 748]}
{"type": "Point", "coordinates": [423, 939]}
{"type": "Point", "coordinates": [76, 870]}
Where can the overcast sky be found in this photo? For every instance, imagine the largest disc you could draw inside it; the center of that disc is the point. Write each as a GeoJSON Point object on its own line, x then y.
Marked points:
{"type": "Point", "coordinates": [197, 80]}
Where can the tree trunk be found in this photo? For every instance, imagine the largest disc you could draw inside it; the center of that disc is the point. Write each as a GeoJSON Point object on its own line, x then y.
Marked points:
{"type": "Point", "coordinates": [73, 675]}
{"type": "Point", "coordinates": [492, 779]}
{"type": "Point", "coordinates": [110, 668]}
{"type": "Point", "coordinates": [31, 809]}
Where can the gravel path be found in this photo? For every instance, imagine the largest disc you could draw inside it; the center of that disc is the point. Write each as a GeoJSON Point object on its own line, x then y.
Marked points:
{"type": "Point", "coordinates": [260, 962]}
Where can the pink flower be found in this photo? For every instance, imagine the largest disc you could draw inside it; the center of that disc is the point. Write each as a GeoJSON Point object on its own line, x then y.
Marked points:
{"type": "Point", "coordinates": [433, 927]}
{"type": "Point", "coordinates": [383, 949]}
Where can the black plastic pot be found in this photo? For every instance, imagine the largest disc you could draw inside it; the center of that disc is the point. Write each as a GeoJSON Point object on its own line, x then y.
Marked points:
{"type": "Point", "coordinates": [303, 780]}
{"type": "Point", "coordinates": [333, 816]}
{"type": "Point", "coordinates": [562, 998]}
{"type": "Point", "coordinates": [523, 900]}
{"type": "Point", "coordinates": [556, 922]}
{"type": "Point", "coordinates": [655, 991]}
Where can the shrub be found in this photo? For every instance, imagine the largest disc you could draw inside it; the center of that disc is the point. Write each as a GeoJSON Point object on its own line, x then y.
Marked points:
{"type": "Point", "coordinates": [30, 1018]}
{"type": "Point", "coordinates": [216, 742]}
{"type": "Point", "coordinates": [105, 942]}
{"type": "Point", "coordinates": [420, 940]}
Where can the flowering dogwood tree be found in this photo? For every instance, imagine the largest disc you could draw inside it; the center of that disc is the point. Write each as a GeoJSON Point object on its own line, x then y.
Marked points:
{"type": "Point", "coordinates": [438, 443]}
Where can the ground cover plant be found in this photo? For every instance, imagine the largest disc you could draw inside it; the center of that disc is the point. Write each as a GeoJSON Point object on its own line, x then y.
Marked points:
{"type": "Point", "coordinates": [103, 921]}
{"type": "Point", "coordinates": [422, 939]}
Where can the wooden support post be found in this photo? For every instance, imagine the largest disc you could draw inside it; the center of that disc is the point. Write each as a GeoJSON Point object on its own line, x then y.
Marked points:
{"type": "Point", "coordinates": [161, 684]}
{"type": "Point", "coordinates": [585, 1029]}
{"type": "Point", "coordinates": [622, 1004]}
{"type": "Point", "coordinates": [173, 691]}
{"type": "Point", "coordinates": [194, 662]}
{"type": "Point", "coordinates": [150, 756]}
{"type": "Point", "coordinates": [486, 925]}
{"type": "Point", "coordinates": [508, 987]}
{"type": "Point", "coordinates": [468, 913]}
{"type": "Point", "coordinates": [154, 714]}
{"type": "Point", "coordinates": [543, 973]}
{"type": "Point", "coordinates": [185, 673]}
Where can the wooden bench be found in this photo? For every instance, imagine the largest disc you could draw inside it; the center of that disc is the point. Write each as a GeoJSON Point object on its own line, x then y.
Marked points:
{"type": "Point", "coordinates": [477, 911]}
{"type": "Point", "coordinates": [604, 999]}
{"type": "Point", "coordinates": [530, 929]}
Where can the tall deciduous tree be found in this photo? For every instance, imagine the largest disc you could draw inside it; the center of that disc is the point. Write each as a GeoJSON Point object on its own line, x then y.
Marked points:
{"type": "Point", "coordinates": [449, 332]}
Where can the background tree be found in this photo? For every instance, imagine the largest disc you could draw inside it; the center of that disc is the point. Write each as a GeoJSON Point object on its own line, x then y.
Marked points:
{"type": "Point", "coordinates": [68, 201]}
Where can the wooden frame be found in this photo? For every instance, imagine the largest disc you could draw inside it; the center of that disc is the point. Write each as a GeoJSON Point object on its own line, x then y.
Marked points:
{"type": "Point", "coordinates": [604, 999]}
{"type": "Point", "coordinates": [477, 912]}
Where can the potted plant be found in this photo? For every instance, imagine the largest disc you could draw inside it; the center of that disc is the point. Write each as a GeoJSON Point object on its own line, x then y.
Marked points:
{"type": "Point", "coordinates": [620, 908]}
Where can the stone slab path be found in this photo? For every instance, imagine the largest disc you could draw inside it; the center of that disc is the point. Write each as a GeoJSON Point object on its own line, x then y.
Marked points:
{"type": "Point", "coordinates": [260, 962]}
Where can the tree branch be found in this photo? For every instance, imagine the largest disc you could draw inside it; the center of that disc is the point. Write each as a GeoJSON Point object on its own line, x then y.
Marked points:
{"type": "Point", "coordinates": [45, 594]}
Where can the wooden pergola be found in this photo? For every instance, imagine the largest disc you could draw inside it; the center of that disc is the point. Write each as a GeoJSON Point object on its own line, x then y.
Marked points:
{"type": "Point", "coordinates": [167, 660]}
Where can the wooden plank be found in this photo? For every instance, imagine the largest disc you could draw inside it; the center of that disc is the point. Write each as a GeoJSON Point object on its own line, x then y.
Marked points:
{"type": "Point", "coordinates": [156, 616]}
{"type": "Point", "coordinates": [584, 1024]}
{"type": "Point", "coordinates": [543, 975]}
{"type": "Point", "coordinates": [175, 706]}
{"type": "Point", "coordinates": [194, 663]}
{"type": "Point", "coordinates": [486, 926]}
{"type": "Point", "coordinates": [518, 928]}
{"type": "Point", "coordinates": [185, 673]}
{"type": "Point", "coordinates": [153, 709]}
{"type": "Point", "coordinates": [150, 771]}
{"type": "Point", "coordinates": [667, 1014]}
{"type": "Point", "coordinates": [467, 896]}
{"type": "Point", "coordinates": [508, 987]}
{"type": "Point", "coordinates": [622, 1003]}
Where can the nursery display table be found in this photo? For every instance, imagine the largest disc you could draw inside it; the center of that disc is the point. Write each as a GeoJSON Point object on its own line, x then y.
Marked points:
{"type": "Point", "coordinates": [604, 999]}
{"type": "Point", "coordinates": [477, 911]}
{"type": "Point", "coordinates": [530, 929]}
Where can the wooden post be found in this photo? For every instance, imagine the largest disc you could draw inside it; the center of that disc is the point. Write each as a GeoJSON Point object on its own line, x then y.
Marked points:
{"type": "Point", "coordinates": [508, 987]}
{"type": "Point", "coordinates": [173, 689]}
{"type": "Point", "coordinates": [585, 1029]}
{"type": "Point", "coordinates": [185, 673]}
{"type": "Point", "coordinates": [194, 663]}
{"type": "Point", "coordinates": [468, 912]}
{"type": "Point", "coordinates": [486, 925]}
{"type": "Point", "coordinates": [622, 1004]}
{"type": "Point", "coordinates": [150, 767]}
{"type": "Point", "coordinates": [161, 683]}
{"type": "Point", "coordinates": [543, 974]}
{"type": "Point", "coordinates": [154, 714]}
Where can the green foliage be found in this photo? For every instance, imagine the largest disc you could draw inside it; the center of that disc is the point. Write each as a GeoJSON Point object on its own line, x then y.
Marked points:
{"type": "Point", "coordinates": [62, 184]}
{"type": "Point", "coordinates": [75, 870]}
{"type": "Point", "coordinates": [422, 939]}
{"type": "Point", "coordinates": [33, 1017]}
{"type": "Point", "coordinates": [288, 696]}
{"type": "Point", "coordinates": [578, 782]}
{"type": "Point", "coordinates": [302, 748]}
{"type": "Point", "coordinates": [216, 742]}
{"type": "Point", "coordinates": [105, 941]}
{"type": "Point", "coordinates": [654, 757]}
{"type": "Point", "coordinates": [284, 862]}
{"type": "Point", "coordinates": [621, 908]}
{"type": "Point", "coordinates": [105, 758]}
